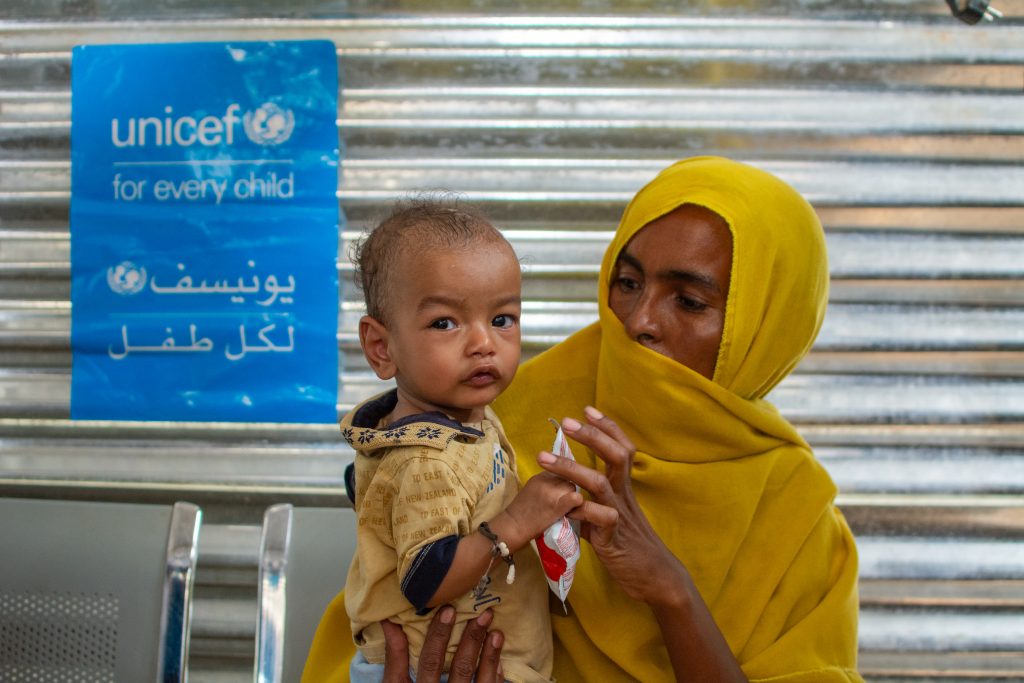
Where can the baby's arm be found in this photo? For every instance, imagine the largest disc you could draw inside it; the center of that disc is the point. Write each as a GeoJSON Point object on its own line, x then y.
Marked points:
{"type": "Point", "coordinates": [542, 500]}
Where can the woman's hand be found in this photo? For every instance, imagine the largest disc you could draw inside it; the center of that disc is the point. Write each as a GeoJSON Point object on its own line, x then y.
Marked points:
{"type": "Point", "coordinates": [636, 558]}
{"type": "Point", "coordinates": [612, 520]}
{"type": "Point", "coordinates": [478, 654]}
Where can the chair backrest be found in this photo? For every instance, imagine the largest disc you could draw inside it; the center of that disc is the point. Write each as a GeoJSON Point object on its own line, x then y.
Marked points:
{"type": "Point", "coordinates": [95, 591]}
{"type": "Point", "coordinates": [304, 557]}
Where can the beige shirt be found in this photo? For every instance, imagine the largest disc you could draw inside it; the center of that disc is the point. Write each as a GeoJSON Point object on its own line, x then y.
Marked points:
{"type": "Point", "coordinates": [417, 481]}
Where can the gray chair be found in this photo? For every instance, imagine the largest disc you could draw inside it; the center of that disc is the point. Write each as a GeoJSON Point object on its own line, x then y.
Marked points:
{"type": "Point", "coordinates": [304, 557]}
{"type": "Point", "coordinates": [95, 591]}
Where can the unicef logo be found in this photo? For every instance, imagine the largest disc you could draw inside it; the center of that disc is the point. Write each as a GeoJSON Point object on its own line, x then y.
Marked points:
{"type": "Point", "coordinates": [269, 125]}
{"type": "Point", "coordinates": [126, 278]}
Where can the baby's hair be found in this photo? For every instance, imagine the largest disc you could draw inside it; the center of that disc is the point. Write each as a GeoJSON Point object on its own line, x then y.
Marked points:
{"type": "Point", "coordinates": [424, 222]}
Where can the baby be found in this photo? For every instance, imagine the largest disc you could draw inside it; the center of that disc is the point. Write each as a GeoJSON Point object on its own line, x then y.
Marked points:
{"type": "Point", "coordinates": [440, 509]}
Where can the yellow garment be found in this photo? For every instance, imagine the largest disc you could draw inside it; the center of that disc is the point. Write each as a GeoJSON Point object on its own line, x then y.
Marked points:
{"type": "Point", "coordinates": [332, 648]}
{"type": "Point", "coordinates": [725, 481]}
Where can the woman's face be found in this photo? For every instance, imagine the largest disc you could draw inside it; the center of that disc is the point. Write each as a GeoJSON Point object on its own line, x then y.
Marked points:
{"type": "Point", "coordinates": [671, 283]}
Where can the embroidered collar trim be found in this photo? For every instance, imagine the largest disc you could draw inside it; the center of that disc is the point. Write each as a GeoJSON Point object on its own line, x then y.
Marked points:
{"type": "Point", "coordinates": [433, 429]}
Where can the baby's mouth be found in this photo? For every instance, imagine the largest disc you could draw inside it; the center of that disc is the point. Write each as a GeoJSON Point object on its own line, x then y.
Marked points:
{"type": "Point", "coordinates": [482, 377]}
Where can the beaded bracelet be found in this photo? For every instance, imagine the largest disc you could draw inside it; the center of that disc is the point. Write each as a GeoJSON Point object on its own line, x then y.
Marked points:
{"type": "Point", "coordinates": [498, 549]}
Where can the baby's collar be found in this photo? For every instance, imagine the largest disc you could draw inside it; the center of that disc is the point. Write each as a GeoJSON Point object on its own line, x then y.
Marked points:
{"type": "Point", "coordinates": [433, 429]}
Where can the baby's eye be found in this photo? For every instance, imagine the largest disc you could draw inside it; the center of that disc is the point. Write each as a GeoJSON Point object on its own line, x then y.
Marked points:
{"type": "Point", "coordinates": [504, 321]}
{"type": "Point", "coordinates": [443, 324]}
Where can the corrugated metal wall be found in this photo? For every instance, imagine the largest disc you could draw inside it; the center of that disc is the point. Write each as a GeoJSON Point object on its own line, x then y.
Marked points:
{"type": "Point", "coordinates": [903, 126]}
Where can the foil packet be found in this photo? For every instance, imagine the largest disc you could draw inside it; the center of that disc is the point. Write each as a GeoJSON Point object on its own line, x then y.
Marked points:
{"type": "Point", "coordinates": [559, 545]}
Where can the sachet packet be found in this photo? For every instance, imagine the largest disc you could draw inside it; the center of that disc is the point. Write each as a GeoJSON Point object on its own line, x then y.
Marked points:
{"type": "Point", "coordinates": [559, 545]}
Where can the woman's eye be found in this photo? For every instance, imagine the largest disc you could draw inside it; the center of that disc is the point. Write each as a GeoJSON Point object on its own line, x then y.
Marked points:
{"type": "Point", "coordinates": [504, 321]}
{"type": "Point", "coordinates": [688, 304]}
{"type": "Point", "coordinates": [626, 284]}
{"type": "Point", "coordinates": [443, 324]}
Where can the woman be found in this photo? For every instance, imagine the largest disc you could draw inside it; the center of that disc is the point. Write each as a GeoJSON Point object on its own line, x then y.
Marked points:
{"type": "Point", "coordinates": [715, 551]}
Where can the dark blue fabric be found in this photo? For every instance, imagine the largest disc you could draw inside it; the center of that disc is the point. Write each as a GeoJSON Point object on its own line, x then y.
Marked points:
{"type": "Point", "coordinates": [369, 414]}
{"type": "Point", "coordinates": [428, 571]}
{"type": "Point", "coordinates": [350, 482]}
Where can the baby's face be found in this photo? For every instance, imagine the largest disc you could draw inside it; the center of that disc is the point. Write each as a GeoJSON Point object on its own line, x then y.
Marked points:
{"type": "Point", "coordinates": [454, 333]}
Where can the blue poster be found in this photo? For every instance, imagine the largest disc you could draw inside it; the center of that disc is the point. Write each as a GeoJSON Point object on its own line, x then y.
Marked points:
{"type": "Point", "coordinates": [204, 232]}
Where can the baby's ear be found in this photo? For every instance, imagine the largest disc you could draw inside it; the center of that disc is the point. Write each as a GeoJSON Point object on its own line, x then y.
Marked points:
{"type": "Point", "coordinates": [373, 337]}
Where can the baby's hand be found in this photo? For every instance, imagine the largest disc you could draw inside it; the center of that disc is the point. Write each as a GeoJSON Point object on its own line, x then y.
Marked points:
{"type": "Point", "coordinates": [542, 500]}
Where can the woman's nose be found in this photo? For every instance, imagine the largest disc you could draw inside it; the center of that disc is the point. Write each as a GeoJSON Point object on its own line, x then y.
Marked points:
{"type": "Point", "coordinates": [642, 321]}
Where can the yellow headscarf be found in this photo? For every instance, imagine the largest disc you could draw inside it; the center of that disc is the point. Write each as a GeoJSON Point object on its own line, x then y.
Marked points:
{"type": "Point", "coordinates": [726, 481]}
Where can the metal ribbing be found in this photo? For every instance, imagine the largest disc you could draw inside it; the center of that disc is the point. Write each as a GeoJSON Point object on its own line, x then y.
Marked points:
{"type": "Point", "coordinates": [903, 126]}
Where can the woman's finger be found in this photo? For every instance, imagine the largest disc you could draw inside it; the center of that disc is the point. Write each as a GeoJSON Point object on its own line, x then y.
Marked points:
{"type": "Point", "coordinates": [557, 481]}
{"type": "Point", "coordinates": [597, 523]}
{"type": "Point", "coordinates": [592, 481]}
{"type": "Point", "coordinates": [490, 658]}
{"type": "Point", "coordinates": [610, 450]}
{"type": "Point", "coordinates": [464, 664]}
{"type": "Point", "coordinates": [609, 427]}
{"type": "Point", "coordinates": [597, 515]}
{"type": "Point", "coordinates": [435, 646]}
{"type": "Point", "coordinates": [396, 653]}
{"type": "Point", "coordinates": [610, 445]}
